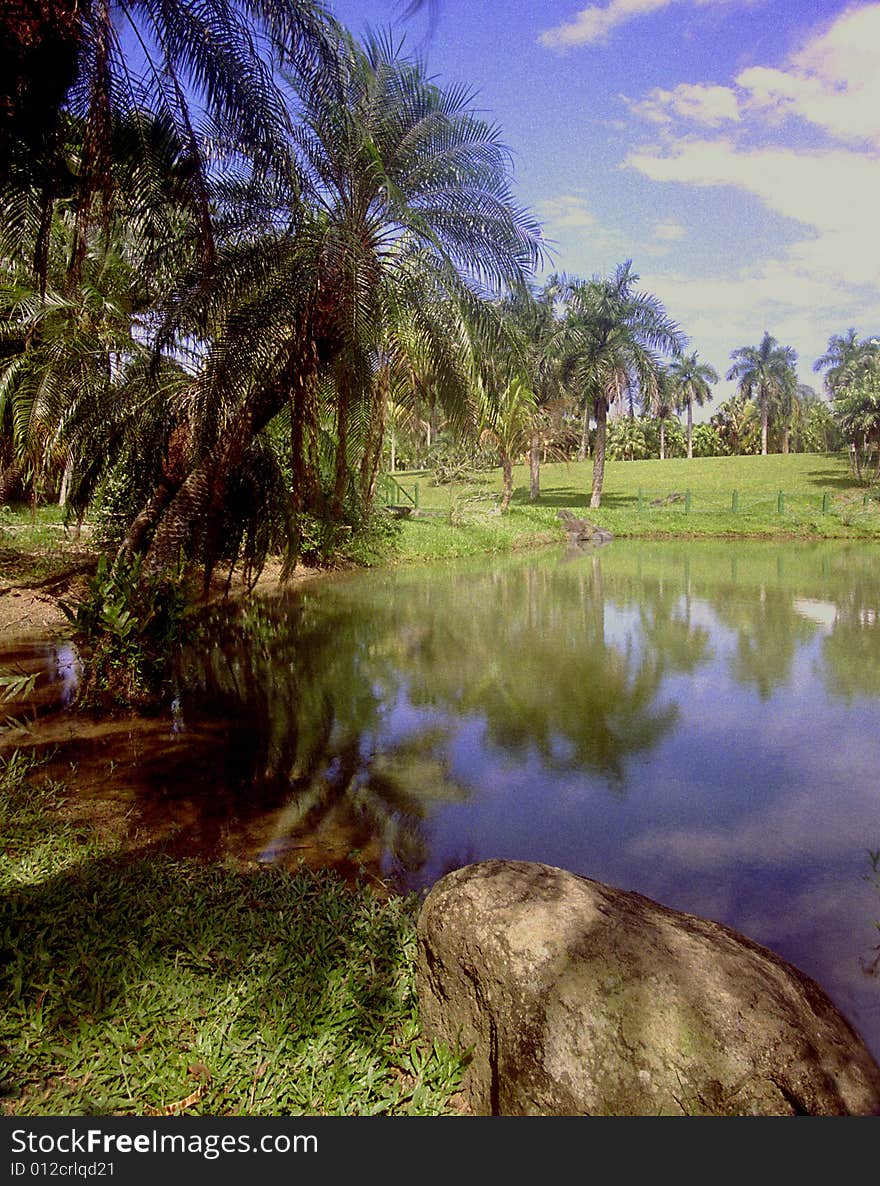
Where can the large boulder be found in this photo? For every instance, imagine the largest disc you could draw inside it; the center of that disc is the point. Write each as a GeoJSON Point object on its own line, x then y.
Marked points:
{"type": "Point", "coordinates": [581, 999]}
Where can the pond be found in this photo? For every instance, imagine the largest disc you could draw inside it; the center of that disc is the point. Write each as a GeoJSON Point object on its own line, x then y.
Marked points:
{"type": "Point", "coordinates": [696, 721]}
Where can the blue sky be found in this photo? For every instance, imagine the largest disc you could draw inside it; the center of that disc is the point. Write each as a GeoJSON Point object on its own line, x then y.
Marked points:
{"type": "Point", "coordinates": [730, 148]}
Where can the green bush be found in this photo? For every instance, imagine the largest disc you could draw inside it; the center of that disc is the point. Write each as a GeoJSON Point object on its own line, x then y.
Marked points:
{"type": "Point", "coordinates": [127, 628]}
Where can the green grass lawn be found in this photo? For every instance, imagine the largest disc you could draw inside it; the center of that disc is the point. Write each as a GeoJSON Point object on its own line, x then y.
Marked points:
{"type": "Point", "coordinates": [724, 497]}
{"type": "Point", "coordinates": [804, 495]}
{"type": "Point", "coordinates": [134, 984]}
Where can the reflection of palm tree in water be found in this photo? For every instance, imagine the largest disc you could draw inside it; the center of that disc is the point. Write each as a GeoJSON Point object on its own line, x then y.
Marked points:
{"type": "Point", "coordinates": [344, 705]}
{"type": "Point", "coordinates": [307, 749]}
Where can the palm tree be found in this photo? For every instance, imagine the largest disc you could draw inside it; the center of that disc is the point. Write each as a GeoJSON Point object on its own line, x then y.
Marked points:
{"type": "Point", "coordinates": [65, 341]}
{"type": "Point", "coordinates": [845, 354]}
{"type": "Point", "coordinates": [611, 340]}
{"type": "Point", "coordinates": [857, 409]}
{"type": "Point", "coordinates": [530, 321]}
{"type": "Point", "coordinates": [663, 401]}
{"type": "Point", "coordinates": [507, 420]}
{"type": "Point", "coordinates": [408, 217]}
{"type": "Point", "coordinates": [766, 372]}
{"type": "Point", "coordinates": [72, 60]}
{"type": "Point", "coordinates": [693, 380]}
{"type": "Point", "coordinates": [737, 423]}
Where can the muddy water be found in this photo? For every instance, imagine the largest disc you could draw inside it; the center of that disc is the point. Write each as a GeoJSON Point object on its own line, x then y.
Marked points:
{"type": "Point", "coordinates": [697, 722]}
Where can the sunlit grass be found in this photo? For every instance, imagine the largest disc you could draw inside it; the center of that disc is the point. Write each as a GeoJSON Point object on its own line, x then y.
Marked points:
{"type": "Point", "coordinates": [141, 986]}
{"type": "Point", "coordinates": [37, 546]}
{"type": "Point", "coordinates": [802, 495]}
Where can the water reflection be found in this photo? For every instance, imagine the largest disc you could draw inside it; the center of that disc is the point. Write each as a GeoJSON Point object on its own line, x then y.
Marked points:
{"type": "Point", "coordinates": [677, 719]}
{"type": "Point", "coordinates": [696, 721]}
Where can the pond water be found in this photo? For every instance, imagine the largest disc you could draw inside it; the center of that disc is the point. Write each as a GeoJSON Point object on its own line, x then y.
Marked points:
{"type": "Point", "coordinates": [699, 722]}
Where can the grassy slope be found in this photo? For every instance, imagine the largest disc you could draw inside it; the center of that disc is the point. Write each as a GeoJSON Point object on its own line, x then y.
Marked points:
{"type": "Point", "coordinates": [820, 500]}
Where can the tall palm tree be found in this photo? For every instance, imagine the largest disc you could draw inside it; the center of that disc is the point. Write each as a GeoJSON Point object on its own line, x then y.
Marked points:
{"type": "Point", "coordinates": [611, 339]}
{"type": "Point", "coordinates": [693, 381]}
{"type": "Point", "coordinates": [94, 60]}
{"type": "Point", "coordinates": [845, 354]}
{"type": "Point", "coordinates": [663, 401]}
{"type": "Point", "coordinates": [406, 214]}
{"type": "Point", "coordinates": [765, 372]}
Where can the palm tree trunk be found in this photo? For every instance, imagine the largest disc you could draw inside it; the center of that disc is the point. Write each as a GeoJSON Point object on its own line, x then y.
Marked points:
{"type": "Point", "coordinates": [10, 480]}
{"type": "Point", "coordinates": [372, 451]}
{"type": "Point", "coordinates": [144, 521]}
{"type": "Point", "coordinates": [690, 409]}
{"type": "Point", "coordinates": [662, 439]}
{"type": "Point", "coordinates": [584, 450]}
{"type": "Point", "coordinates": [341, 478]}
{"type": "Point", "coordinates": [764, 419]}
{"type": "Point", "coordinates": [66, 483]}
{"type": "Point", "coordinates": [535, 466]}
{"type": "Point", "coordinates": [599, 452]}
{"type": "Point", "coordinates": [507, 481]}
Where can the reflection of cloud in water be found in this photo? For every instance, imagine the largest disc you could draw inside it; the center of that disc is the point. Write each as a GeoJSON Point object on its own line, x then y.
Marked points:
{"type": "Point", "coordinates": [66, 670]}
{"type": "Point", "coordinates": [804, 823]}
{"type": "Point", "coordinates": [823, 613]}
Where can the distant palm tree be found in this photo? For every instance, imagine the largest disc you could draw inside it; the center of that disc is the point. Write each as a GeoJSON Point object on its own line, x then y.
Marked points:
{"type": "Point", "coordinates": [766, 373]}
{"type": "Point", "coordinates": [611, 340]}
{"type": "Point", "coordinates": [693, 381]}
{"type": "Point", "coordinates": [663, 403]}
{"type": "Point", "coordinates": [857, 408]}
{"type": "Point", "coordinates": [845, 354]}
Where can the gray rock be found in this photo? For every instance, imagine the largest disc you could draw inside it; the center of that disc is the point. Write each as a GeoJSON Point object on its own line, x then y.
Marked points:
{"type": "Point", "coordinates": [581, 999]}
{"type": "Point", "coordinates": [582, 531]}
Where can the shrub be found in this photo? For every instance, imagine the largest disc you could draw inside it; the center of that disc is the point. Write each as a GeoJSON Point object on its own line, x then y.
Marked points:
{"type": "Point", "coordinates": [127, 628]}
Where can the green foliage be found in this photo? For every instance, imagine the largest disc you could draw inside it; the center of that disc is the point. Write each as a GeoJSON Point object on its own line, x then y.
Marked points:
{"type": "Point", "coordinates": [454, 460]}
{"type": "Point", "coordinates": [627, 439]}
{"type": "Point", "coordinates": [128, 625]}
{"type": "Point", "coordinates": [16, 687]}
{"type": "Point", "coordinates": [707, 441]}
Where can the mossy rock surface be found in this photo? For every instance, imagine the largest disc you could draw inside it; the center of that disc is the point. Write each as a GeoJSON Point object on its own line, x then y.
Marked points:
{"type": "Point", "coordinates": [581, 999]}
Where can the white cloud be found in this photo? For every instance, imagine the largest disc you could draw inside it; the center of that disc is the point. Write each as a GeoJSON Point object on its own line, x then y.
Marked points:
{"type": "Point", "coordinates": [566, 211]}
{"type": "Point", "coordinates": [835, 195]}
{"type": "Point", "coordinates": [711, 106]}
{"type": "Point", "coordinates": [570, 223]}
{"type": "Point", "coordinates": [826, 270]}
{"type": "Point", "coordinates": [664, 234]}
{"type": "Point", "coordinates": [594, 23]}
{"type": "Point", "coordinates": [669, 230]}
{"type": "Point", "coordinates": [832, 83]}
